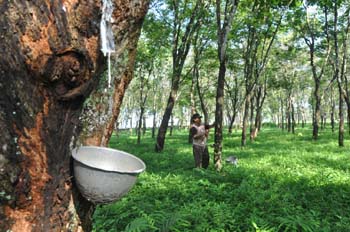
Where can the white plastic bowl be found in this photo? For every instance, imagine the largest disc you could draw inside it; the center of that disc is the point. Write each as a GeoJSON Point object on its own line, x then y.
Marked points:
{"type": "Point", "coordinates": [103, 175]}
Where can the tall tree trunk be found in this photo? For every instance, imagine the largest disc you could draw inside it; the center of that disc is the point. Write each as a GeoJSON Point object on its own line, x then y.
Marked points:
{"type": "Point", "coordinates": [251, 119]}
{"type": "Point", "coordinates": [202, 103]}
{"type": "Point", "coordinates": [154, 112]}
{"type": "Point", "coordinates": [165, 120]}
{"type": "Point", "coordinates": [154, 124]}
{"type": "Point", "coordinates": [260, 99]}
{"type": "Point", "coordinates": [282, 114]}
{"type": "Point", "coordinates": [317, 110]}
{"type": "Point", "coordinates": [140, 125]}
{"type": "Point", "coordinates": [181, 46]}
{"type": "Point", "coordinates": [338, 77]}
{"type": "Point", "coordinates": [341, 118]}
{"type": "Point", "coordinates": [289, 113]}
{"type": "Point", "coordinates": [193, 103]}
{"type": "Point", "coordinates": [230, 125]}
{"type": "Point", "coordinates": [222, 35]}
{"type": "Point", "coordinates": [293, 117]}
{"type": "Point", "coordinates": [245, 120]}
{"type": "Point", "coordinates": [144, 126]}
{"type": "Point", "coordinates": [317, 77]}
{"type": "Point", "coordinates": [235, 102]}
{"type": "Point", "coordinates": [332, 111]}
{"type": "Point", "coordinates": [52, 62]}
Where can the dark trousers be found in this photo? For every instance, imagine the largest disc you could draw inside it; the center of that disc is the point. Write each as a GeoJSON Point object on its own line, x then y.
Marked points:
{"type": "Point", "coordinates": [201, 156]}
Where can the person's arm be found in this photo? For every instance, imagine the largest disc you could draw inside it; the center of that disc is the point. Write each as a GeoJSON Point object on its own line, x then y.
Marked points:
{"type": "Point", "coordinates": [207, 127]}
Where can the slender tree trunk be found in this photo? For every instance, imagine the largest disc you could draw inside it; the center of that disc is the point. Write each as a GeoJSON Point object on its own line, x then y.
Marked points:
{"type": "Point", "coordinates": [293, 117]}
{"type": "Point", "coordinates": [116, 129]}
{"type": "Point", "coordinates": [282, 115]}
{"type": "Point", "coordinates": [260, 99]}
{"type": "Point", "coordinates": [144, 128]}
{"type": "Point", "coordinates": [251, 119]}
{"type": "Point", "coordinates": [51, 63]}
{"type": "Point", "coordinates": [231, 121]}
{"type": "Point", "coordinates": [202, 103]}
{"type": "Point", "coordinates": [193, 104]}
{"type": "Point", "coordinates": [332, 116]}
{"type": "Point", "coordinates": [257, 121]}
{"type": "Point", "coordinates": [154, 124]}
{"type": "Point", "coordinates": [317, 110]}
{"type": "Point", "coordinates": [140, 125]}
{"type": "Point", "coordinates": [219, 117]}
{"type": "Point", "coordinates": [171, 125]}
{"type": "Point", "coordinates": [181, 47]}
{"type": "Point", "coordinates": [154, 112]}
{"type": "Point", "coordinates": [222, 35]}
{"type": "Point", "coordinates": [165, 120]}
{"type": "Point", "coordinates": [341, 119]}
{"type": "Point", "coordinates": [245, 120]}
{"type": "Point", "coordinates": [289, 114]}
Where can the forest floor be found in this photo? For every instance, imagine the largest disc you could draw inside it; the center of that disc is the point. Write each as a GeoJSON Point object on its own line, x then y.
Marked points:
{"type": "Point", "coordinates": [283, 182]}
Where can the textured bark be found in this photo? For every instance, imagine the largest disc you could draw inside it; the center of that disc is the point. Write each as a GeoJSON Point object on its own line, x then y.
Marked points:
{"type": "Point", "coordinates": [127, 36]}
{"type": "Point", "coordinates": [51, 62]}
{"type": "Point", "coordinates": [223, 30]}
{"type": "Point", "coordinates": [121, 84]}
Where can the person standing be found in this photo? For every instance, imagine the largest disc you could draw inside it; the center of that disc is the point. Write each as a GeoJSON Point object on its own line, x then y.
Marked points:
{"type": "Point", "coordinates": [199, 133]}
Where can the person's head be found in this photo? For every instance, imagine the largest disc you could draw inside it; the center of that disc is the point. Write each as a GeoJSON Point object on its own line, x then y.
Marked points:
{"type": "Point", "coordinates": [196, 118]}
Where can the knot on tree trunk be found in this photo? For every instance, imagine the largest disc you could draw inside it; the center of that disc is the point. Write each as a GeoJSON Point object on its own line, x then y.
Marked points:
{"type": "Point", "coordinates": [67, 74]}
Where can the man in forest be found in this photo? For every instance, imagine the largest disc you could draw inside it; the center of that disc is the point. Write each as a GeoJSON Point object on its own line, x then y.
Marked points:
{"type": "Point", "coordinates": [199, 133]}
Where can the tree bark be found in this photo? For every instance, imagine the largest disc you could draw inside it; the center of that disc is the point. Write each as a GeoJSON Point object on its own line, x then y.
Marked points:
{"type": "Point", "coordinates": [51, 63]}
{"type": "Point", "coordinates": [332, 111]}
{"type": "Point", "coordinates": [154, 124]}
{"type": "Point", "coordinates": [193, 102]}
{"type": "Point", "coordinates": [317, 109]}
{"type": "Point", "coordinates": [245, 120]}
{"type": "Point", "coordinates": [282, 114]}
{"type": "Point", "coordinates": [144, 126]}
{"type": "Point", "coordinates": [292, 115]}
{"type": "Point", "coordinates": [140, 125]}
{"type": "Point", "coordinates": [251, 118]}
{"type": "Point", "coordinates": [222, 36]}
{"type": "Point", "coordinates": [165, 120]}
{"type": "Point", "coordinates": [121, 84]}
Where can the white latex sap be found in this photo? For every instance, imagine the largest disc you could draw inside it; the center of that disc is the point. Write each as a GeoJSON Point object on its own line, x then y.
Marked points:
{"type": "Point", "coordinates": [107, 37]}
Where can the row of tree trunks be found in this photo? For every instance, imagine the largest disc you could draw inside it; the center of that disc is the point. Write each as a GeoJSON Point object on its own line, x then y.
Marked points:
{"type": "Point", "coordinates": [51, 61]}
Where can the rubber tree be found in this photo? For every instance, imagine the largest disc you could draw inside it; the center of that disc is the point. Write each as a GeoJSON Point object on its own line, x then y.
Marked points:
{"type": "Point", "coordinates": [51, 61]}
{"type": "Point", "coordinates": [340, 37]}
{"type": "Point", "coordinates": [186, 18]}
{"type": "Point", "coordinates": [261, 34]}
{"type": "Point", "coordinates": [102, 110]}
{"type": "Point", "coordinates": [312, 33]}
{"type": "Point", "coordinates": [224, 19]}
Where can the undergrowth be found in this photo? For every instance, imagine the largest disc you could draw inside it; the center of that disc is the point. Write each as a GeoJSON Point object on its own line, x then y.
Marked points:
{"type": "Point", "coordinates": [283, 182]}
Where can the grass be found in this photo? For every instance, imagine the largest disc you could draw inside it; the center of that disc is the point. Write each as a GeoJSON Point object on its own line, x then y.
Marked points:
{"type": "Point", "coordinates": [284, 182]}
